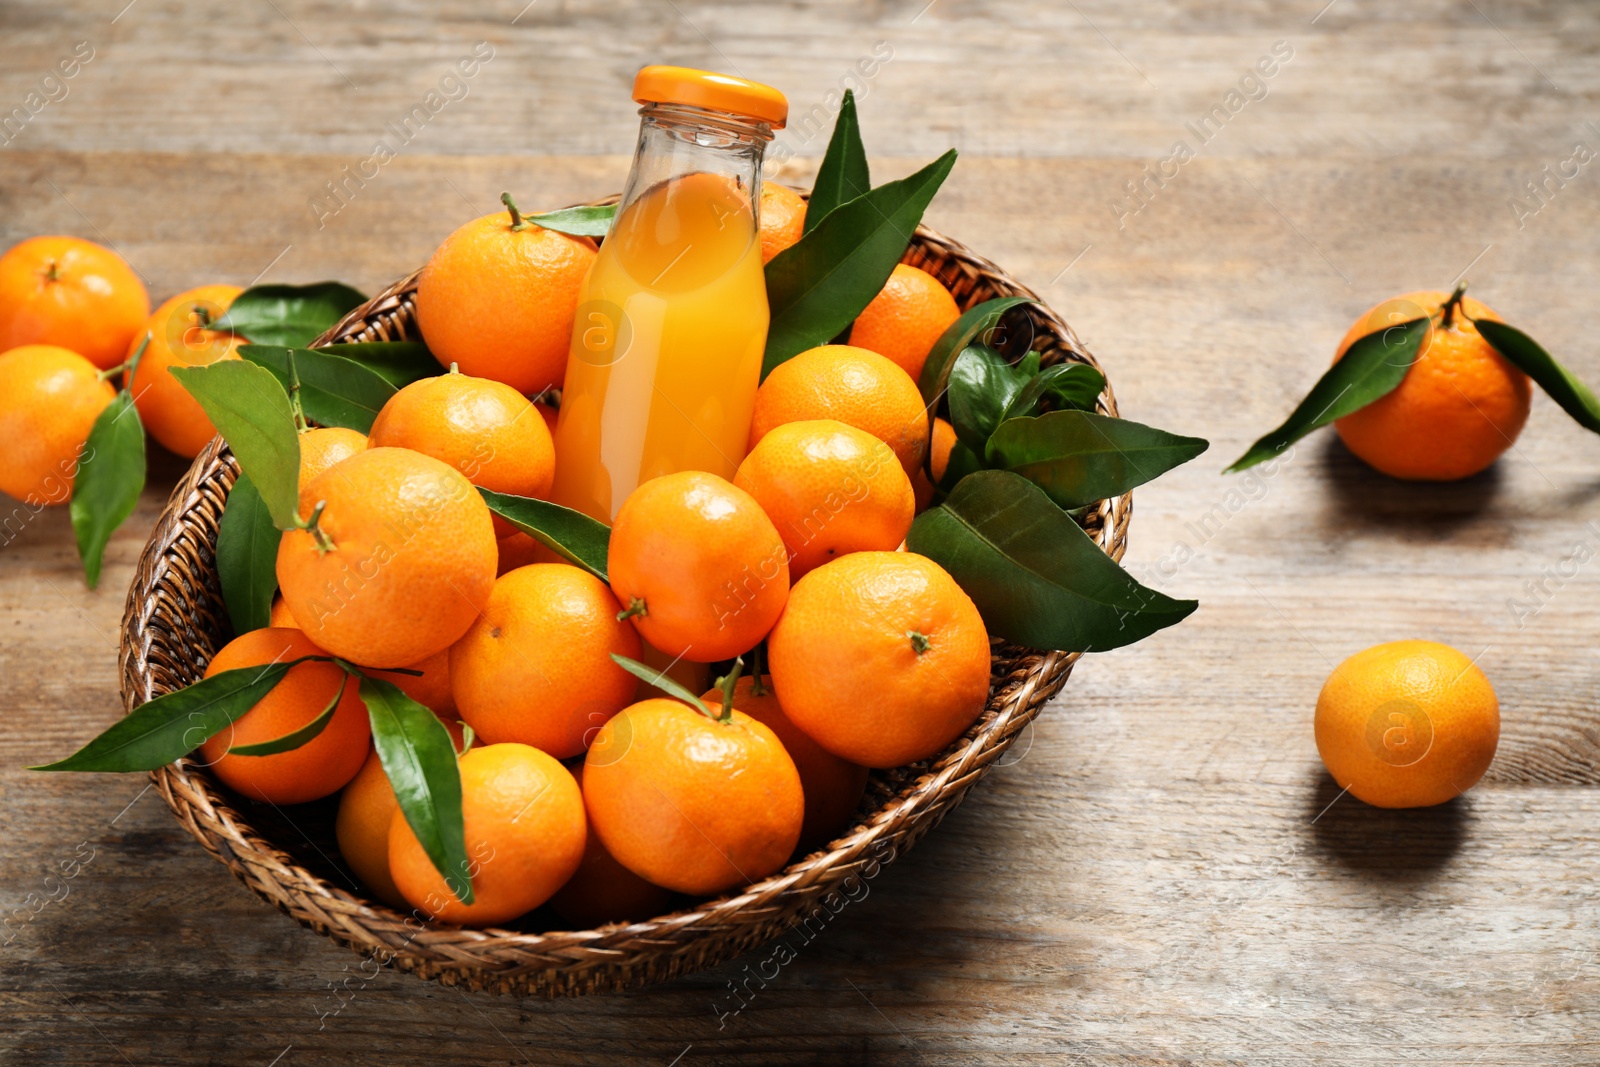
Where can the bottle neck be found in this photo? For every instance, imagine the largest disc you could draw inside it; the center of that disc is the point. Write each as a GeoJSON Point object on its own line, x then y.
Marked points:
{"type": "Point", "coordinates": [677, 140]}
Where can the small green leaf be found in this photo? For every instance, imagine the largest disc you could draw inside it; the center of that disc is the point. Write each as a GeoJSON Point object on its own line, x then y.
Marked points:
{"type": "Point", "coordinates": [571, 534]}
{"type": "Point", "coordinates": [843, 175]}
{"type": "Point", "coordinates": [658, 678]}
{"type": "Point", "coordinates": [294, 738]}
{"type": "Point", "coordinates": [1528, 356]}
{"type": "Point", "coordinates": [397, 362]}
{"type": "Point", "coordinates": [817, 286]}
{"type": "Point", "coordinates": [962, 462]}
{"type": "Point", "coordinates": [419, 758]}
{"type": "Point", "coordinates": [247, 557]}
{"type": "Point", "coordinates": [589, 221]}
{"type": "Point", "coordinates": [1036, 577]}
{"type": "Point", "coordinates": [109, 479]}
{"type": "Point", "coordinates": [291, 315]}
{"type": "Point", "coordinates": [334, 391]}
{"type": "Point", "coordinates": [982, 387]}
{"type": "Point", "coordinates": [1370, 370]}
{"type": "Point", "coordinates": [175, 724]}
{"type": "Point", "coordinates": [1071, 385]}
{"type": "Point", "coordinates": [250, 408]}
{"type": "Point", "coordinates": [972, 324]}
{"type": "Point", "coordinates": [1078, 457]}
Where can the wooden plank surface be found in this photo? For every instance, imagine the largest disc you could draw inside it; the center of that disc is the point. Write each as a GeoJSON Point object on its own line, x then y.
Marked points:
{"type": "Point", "coordinates": [1162, 874]}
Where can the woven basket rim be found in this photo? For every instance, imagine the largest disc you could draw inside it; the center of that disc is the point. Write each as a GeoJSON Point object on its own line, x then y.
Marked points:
{"type": "Point", "coordinates": [555, 962]}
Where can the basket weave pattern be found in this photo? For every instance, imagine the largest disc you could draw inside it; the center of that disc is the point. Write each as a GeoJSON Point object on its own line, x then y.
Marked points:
{"type": "Point", "coordinates": [175, 620]}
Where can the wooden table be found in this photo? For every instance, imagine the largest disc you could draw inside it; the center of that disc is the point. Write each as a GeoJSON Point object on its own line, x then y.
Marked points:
{"type": "Point", "coordinates": [1163, 874]}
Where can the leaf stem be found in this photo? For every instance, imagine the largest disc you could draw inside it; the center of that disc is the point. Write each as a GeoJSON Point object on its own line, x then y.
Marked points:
{"type": "Point", "coordinates": [127, 366]}
{"type": "Point", "coordinates": [518, 223]}
{"type": "Point", "coordinates": [1451, 305]}
{"type": "Point", "coordinates": [727, 683]}
{"type": "Point", "coordinates": [312, 526]}
{"type": "Point", "coordinates": [300, 424]}
{"type": "Point", "coordinates": [757, 662]}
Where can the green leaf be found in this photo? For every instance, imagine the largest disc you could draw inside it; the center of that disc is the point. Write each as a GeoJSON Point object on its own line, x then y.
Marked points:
{"type": "Point", "coordinates": [571, 534]}
{"type": "Point", "coordinates": [843, 175]}
{"type": "Point", "coordinates": [334, 391]}
{"type": "Point", "coordinates": [588, 221]}
{"type": "Point", "coordinates": [175, 724]}
{"type": "Point", "coordinates": [982, 387]}
{"type": "Point", "coordinates": [1036, 577]}
{"type": "Point", "coordinates": [291, 315]}
{"type": "Point", "coordinates": [817, 286]}
{"type": "Point", "coordinates": [294, 738]}
{"type": "Point", "coordinates": [942, 356]}
{"type": "Point", "coordinates": [420, 759]}
{"type": "Point", "coordinates": [1071, 385]}
{"type": "Point", "coordinates": [249, 407]}
{"type": "Point", "coordinates": [1526, 354]}
{"type": "Point", "coordinates": [109, 479]}
{"type": "Point", "coordinates": [658, 678]}
{"type": "Point", "coordinates": [1078, 457]}
{"type": "Point", "coordinates": [1371, 369]}
{"type": "Point", "coordinates": [962, 462]}
{"type": "Point", "coordinates": [397, 362]}
{"type": "Point", "coordinates": [247, 557]}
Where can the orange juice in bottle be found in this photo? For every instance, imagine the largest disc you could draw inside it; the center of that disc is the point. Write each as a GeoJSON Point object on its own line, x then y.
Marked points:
{"type": "Point", "coordinates": [672, 320]}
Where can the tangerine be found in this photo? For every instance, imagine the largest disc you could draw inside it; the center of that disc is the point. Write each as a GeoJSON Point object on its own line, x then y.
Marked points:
{"type": "Point", "coordinates": [783, 218]}
{"type": "Point", "coordinates": [49, 401]}
{"type": "Point", "coordinates": [830, 489]}
{"type": "Point", "coordinates": [881, 657]}
{"type": "Point", "coordinates": [906, 317]}
{"type": "Point", "coordinates": [698, 566]}
{"type": "Point", "coordinates": [603, 891]}
{"type": "Point", "coordinates": [73, 293]}
{"type": "Point", "coordinates": [179, 338]}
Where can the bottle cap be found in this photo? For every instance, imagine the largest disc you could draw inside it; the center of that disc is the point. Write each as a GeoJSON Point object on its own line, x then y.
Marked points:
{"type": "Point", "coordinates": [704, 88]}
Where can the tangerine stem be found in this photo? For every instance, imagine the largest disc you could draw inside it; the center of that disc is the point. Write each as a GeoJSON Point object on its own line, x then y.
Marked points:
{"type": "Point", "coordinates": [727, 683]}
{"type": "Point", "coordinates": [919, 642]}
{"type": "Point", "coordinates": [1451, 305]}
{"type": "Point", "coordinates": [127, 366]}
{"type": "Point", "coordinates": [757, 689]}
{"type": "Point", "coordinates": [635, 607]}
{"type": "Point", "coordinates": [319, 536]}
{"type": "Point", "coordinates": [518, 223]}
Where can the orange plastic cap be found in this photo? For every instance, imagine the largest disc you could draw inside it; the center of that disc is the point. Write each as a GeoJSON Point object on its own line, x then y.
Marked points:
{"type": "Point", "coordinates": [705, 88]}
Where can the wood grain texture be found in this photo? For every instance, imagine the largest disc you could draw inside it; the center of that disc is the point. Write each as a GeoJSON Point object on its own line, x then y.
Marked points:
{"type": "Point", "coordinates": [1163, 875]}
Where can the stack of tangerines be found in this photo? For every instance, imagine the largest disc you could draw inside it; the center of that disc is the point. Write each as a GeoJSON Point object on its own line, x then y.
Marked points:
{"type": "Point", "coordinates": [581, 784]}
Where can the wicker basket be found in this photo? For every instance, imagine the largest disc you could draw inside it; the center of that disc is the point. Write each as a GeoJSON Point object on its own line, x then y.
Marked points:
{"type": "Point", "coordinates": [175, 620]}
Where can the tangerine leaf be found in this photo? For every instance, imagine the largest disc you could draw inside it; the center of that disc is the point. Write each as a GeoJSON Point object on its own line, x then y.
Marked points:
{"type": "Point", "coordinates": [294, 738]}
{"type": "Point", "coordinates": [247, 557]}
{"type": "Point", "coordinates": [1074, 385]}
{"type": "Point", "coordinates": [974, 323]}
{"type": "Point", "coordinates": [397, 362]}
{"type": "Point", "coordinates": [250, 408]}
{"type": "Point", "coordinates": [660, 679]}
{"type": "Point", "coordinates": [1078, 457]}
{"type": "Point", "coordinates": [1528, 356]}
{"type": "Point", "coordinates": [334, 391]}
{"type": "Point", "coordinates": [843, 175]}
{"type": "Point", "coordinates": [106, 487]}
{"type": "Point", "coordinates": [1370, 369]}
{"type": "Point", "coordinates": [591, 220]}
{"type": "Point", "coordinates": [572, 535]}
{"type": "Point", "coordinates": [982, 387]}
{"type": "Point", "coordinates": [290, 315]}
{"type": "Point", "coordinates": [1035, 576]}
{"type": "Point", "coordinates": [175, 724]}
{"type": "Point", "coordinates": [419, 758]}
{"type": "Point", "coordinates": [817, 286]}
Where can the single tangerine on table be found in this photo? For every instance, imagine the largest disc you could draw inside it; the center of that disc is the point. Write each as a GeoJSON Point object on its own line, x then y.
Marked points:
{"type": "Point", "coordinates": [783, 218]}
{"type": "Point", "coordinates": [1407, 724]}
{"type": "Point", "coordinates": [317, 768]}
{"type": "Point", "coordinates": [49, 401]}
{"type": "Point", "coordinates": [366, 808]}
{"type": "Point", "coordinates": [535, 667]}
{"type": "Point", "coordinates": [485, 429]}
{"type": "Point", "coordinates": [830, 489]}
{"type": "Point", "coordinates": [498, 298]}
{"type": "Point", "coordinates": [73, 293]}
{"type": "Point", "coordinates": [1460, 405]}
{"type": "Point", "coordinates": [525, 828]}
{"type": "Point", "coordinates": [881, 657]}
{"type": "Point", "coordinates": [698, 566]}
{"type": "Point", "coordinates": [603, 891]}
{"type": "Point", "coordinates": [833, 787]}
{"type": "Point", "coordinates": [399, 562]}
{"type": "Point", "coordinates": [179, 338]}
{"type": "Point", "coordinates": [691, 803]}
{"type": "Point", "coordinates": [906, 317]}
{"type": "Point", "coordinates": [855, 386]}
